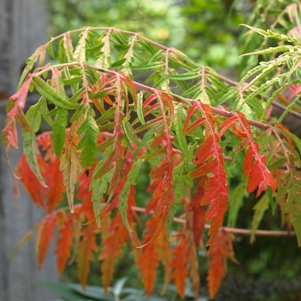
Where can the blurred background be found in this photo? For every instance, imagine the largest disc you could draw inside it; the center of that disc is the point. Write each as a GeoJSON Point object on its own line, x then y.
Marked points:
{"type": "Point", "coordinates": [208, 32]}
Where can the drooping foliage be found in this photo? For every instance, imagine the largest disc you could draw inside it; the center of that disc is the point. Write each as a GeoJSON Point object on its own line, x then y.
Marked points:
{"type": "Point", "coordinates": [117, 102]}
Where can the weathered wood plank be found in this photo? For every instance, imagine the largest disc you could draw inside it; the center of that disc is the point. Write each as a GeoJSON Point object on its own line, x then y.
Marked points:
{"type": "Point", "coordinates": [22, 30]}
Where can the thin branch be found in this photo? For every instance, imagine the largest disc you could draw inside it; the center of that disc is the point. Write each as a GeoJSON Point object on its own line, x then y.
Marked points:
{"type": "Point", "coordinates": [229, 229]}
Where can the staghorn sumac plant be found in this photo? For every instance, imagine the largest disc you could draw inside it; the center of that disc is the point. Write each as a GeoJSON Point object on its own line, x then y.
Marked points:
{"type": "Point", "coordinates": [116, 101]}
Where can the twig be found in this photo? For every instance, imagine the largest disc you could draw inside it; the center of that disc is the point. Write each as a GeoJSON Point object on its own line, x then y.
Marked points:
{"type": "Point", "coordinates": [229, 229]}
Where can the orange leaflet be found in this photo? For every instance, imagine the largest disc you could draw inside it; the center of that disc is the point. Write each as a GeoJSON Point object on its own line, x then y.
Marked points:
{"type": "Point", "coordinates": [86, 247]}
{"type": "Point", "coordinates": [160, 170]}
{"type": "Point", "coordinates": [179, 265]}
{"type": "Point", "coordinates": [112, 249]}
{"type": "Point", "coordinates": [198, 219]}
{"type": "Point", "coordinates": [84, 194]}
{"type": "Point", "coordinates": [114, 241]}
{"type": "Point", "coordinates": [54, 180]}
{"type": "Point", "coordinates": [29, 181]}
{"type": "Point", "coordinates": [64, 243]}
{"type": "Point", "coordinates": [45, 234]}
{"type": "Point", "coordinates": [194, 125]}
{"type": "Point", "coordinates": [219, 251]}
{"type": "Point", "coordinates": [149, 260]}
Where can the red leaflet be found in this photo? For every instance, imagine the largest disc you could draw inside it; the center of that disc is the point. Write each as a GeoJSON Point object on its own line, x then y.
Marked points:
{"type": "Point", "coordinates": [259, 175]}
{"type": "Point", "coordinates": [216, 187]}
{"type": "Point", "coordinates": [217, 196]}
{"type": "Point", "coordinates": [194, 125]}
{"type": "Point", "coordinates": [17, 103]}
{"type": "Point", "coordinates": [220, 250]}
{"type": "Point", "coordinates": [179, 265]}
{"type": "Point", "coordinates": [149, 100]}
{"type": "Point", "coordinates": [198, 219]}
{"type": "Point", "coordinates": [188, 117]}
{"type": "Point", "coordinates": [29, 181]}
{"type": "Point", "coordinates": [160, 170]}
{"type": "Point", "coordinates": [45, 234]}
{"type": "Point", "coordinates": [167, 100]}
{"type": "Point", "coordinates": [86, 247]}
{"type": "Point", "coordinates": [204, 151]}
{"type": "Point", "coordinates": [64, 244]}
{"type": "Point", "coordinates": [204, 169]}
{"type": "Point", "coordinates": [226, 124]}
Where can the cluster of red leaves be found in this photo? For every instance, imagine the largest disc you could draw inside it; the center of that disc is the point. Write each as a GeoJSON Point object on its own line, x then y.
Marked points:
{"type": "Point", "coordinates": [48, 198]}
{"type": "Point", "coordinates": [209, 159]}
{"type": "Point", "coordinates": [211, 190]}
{"type": "Point", "coordinates": [255, 164]}
{"type": "Point", "coordinates": [220, 250]}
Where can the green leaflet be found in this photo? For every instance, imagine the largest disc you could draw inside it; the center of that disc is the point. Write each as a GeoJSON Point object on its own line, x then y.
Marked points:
{"type": "Point", "coordinates": [269, 68]}
{"type": "Point", "coordinates": [179, 190]}
{"type": "Point", "coordinates": [178, 124]}
{"type": "Point", "coordinates": [59, 131]}
{"type": "Point", "coordinates": [77, 95]}
{"type": "Point", "coordinates": [30, 151]}
{"type": "Point", "coordinates": [271, 99]}
{"type": "Point", "coordinates": [236, 202]}
{"type": "Point", "coordinates": [80, 50]}
{"type": "Point", "coordinates": [74, 79]}
{"type": "Point", "coordinates": [44, 111]}
{"type": "Point", "coordinates": [183, 76]}
{"type": "Point", "coordinates": [100, 186]}
{"type": "Point", "coordinates": [260, 207]}
{"type": "Point", "coordinates": [277, 164]}
{"type": "Point", "coordinates": [294, 137]}
{"type": "Point", "coordinates": [271, 50]}
{"type": "Point", "coordinates": [89, 132]}
{"type": "Point", "coordinates": [123, 198]}
{"type": "Point", "coordinates": [34, 116]}
{"type": "Point", "coordinates": [50, 94]}
{"type": "Point", "coordinates": [107, 115]}
{"type": "Point", "coordinates": [129, 132]}
{"type": "Point", "coordinates": [293, 203]}
{"type": "Point", "coordinates": [147, 66]}
{"type": "Point", "coordinates": [262, 88]}
{"type": "Point", "coordinates": [271, 34]}
{"type": "Point", "coordinates": [30, 63]}
{"type": "Point", "coordinates": [79, 111]}
{"type": "Point", "coordinates": [50, 50]}
{"type": "Point", "coordinates": [253, 71]}
{"type": "Point", "coordinates": [139, 108]}
{"type": "Point", "coordinates": [104, 60]}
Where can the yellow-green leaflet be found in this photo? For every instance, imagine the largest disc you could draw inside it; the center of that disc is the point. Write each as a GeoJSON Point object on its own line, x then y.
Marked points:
{"type": "Point", "coordinates": [50, 94]}
{"type": "Point", "coordinates": [123, 198]}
